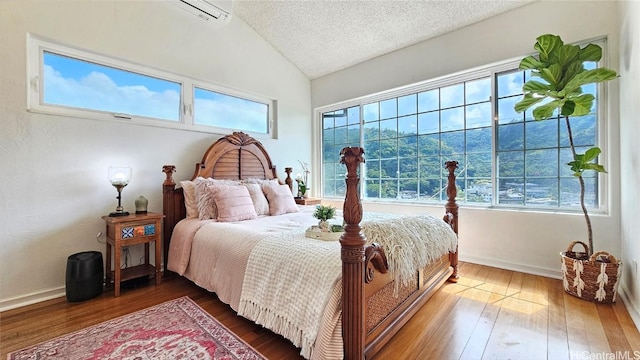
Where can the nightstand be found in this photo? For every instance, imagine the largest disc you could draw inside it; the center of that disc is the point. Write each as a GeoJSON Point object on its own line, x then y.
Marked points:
{"type": "Point", "coordinates": [308, 201]}
{"type": "Point", "coordinates": [130, 230]}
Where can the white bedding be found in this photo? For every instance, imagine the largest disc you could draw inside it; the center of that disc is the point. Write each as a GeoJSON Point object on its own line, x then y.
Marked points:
{"type": "Point", "coordinates": [215, 256]}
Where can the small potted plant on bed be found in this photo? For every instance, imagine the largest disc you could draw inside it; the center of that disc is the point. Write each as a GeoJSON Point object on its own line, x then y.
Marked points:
{"type": "Point", "coordinates": [558, 74]}
{"type": "Point", "coordinates": [324, 213]}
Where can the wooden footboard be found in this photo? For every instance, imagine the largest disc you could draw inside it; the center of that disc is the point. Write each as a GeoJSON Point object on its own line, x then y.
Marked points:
{"type": "Point", "coordinates": [371, 315]}
{"type": "Point", "coordinates": [385, 313]}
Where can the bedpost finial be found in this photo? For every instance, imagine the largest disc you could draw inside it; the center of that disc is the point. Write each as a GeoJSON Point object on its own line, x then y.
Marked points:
{"type": "Point", "coordinates": [289, 180]}
{"type": "Point", "coordinates": [452, 192]}
{"type": "Point", "coordinates": [352, 208]}
{"type": "Point", "coordinates": [168, 170]}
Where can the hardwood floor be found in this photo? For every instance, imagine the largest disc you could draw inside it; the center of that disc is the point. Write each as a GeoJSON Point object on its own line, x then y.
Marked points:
{"type": "Point", "coordinates": [489, 314]}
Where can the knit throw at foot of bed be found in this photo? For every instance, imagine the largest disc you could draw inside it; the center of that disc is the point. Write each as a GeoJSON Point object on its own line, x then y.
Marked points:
{"type": "Point", "coordinates": [177, 329]}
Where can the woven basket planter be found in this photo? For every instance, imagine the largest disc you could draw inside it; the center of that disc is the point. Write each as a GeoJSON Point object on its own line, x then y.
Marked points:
{"type": "Point", "coordinates": [593, 278]}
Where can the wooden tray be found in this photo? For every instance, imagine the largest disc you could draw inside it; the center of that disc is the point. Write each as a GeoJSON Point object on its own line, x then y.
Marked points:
{"type": "Point", "coordinates": [321, 235]}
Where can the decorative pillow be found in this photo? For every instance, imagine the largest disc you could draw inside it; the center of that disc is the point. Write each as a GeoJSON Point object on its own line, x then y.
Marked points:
{"type": "Point", "coordinates": [281, 199]}
{"type": "Point", "coordinates": [260, 202]}
{"type": "Point", "coordinates": [205, 201]}
{"type": "Point", "coordinates": [261, 181]}
{"type": "Point", "coordinates": [234, 203]}
{"type": "Point", "coordinates": [189, 191]}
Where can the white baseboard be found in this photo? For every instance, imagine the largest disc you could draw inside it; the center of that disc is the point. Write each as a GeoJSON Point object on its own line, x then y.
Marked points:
{"type": "Point", "coordinates": [631, 309]}
{"type": "Point", "coordinates": [19, 301]}
{"type": "Point", "coordinates": [550, 273]}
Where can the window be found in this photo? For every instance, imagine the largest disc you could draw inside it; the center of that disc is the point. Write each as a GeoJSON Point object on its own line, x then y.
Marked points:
{"type": "Point", "coordinates": [217, 109]}
{"type": "Point", "coordinates": [72, 82]}
{"type": "Point", "coordinates": [532, 155]}
{"type": "Point", "coordinates": [81, 84]}
{"type": "Point", "coordinates": [505, 158]}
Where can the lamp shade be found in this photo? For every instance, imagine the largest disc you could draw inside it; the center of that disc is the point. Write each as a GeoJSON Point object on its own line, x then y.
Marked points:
{"type": "Point", "coordinates": [119, 175]}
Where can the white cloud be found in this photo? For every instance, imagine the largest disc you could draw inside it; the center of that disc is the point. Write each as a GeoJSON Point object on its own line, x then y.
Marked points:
{"type": "Point", "coordinates": [99, 92]}
{"type": "Point", "coordinates": [231, 112]}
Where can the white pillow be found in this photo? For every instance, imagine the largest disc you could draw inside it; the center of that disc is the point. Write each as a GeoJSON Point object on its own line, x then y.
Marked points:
{"type": "Point", "coordinates": [261, 181]}
{"type": "Point", "coordinates": [280, 199]}
{"type": "Point", "coordinates": [189, 191]}
{"type": "Point", "coordinates": [260, 203]}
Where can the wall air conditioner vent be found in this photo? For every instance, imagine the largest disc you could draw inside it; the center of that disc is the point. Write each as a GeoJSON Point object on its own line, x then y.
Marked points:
{"type": "Point", "coordinates": [216, 12]}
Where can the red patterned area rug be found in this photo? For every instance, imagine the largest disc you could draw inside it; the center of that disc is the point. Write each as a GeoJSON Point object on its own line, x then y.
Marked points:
{"type": "Point", "coordinates": [176, 329]}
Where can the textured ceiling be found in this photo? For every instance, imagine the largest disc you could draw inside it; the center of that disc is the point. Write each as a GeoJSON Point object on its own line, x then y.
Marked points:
{"type": "Point", "coordinates": [324, 36]}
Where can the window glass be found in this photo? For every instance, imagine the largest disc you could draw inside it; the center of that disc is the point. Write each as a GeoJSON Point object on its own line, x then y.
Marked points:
{"type": "Point", "coordinates": [82, 84]}
{"type": "Point", "coordinates": [215, 109]}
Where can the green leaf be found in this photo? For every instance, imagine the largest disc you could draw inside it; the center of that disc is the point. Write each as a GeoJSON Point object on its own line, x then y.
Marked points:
{"type": "Point", "coordinates": [567, 108]}
{"type": "Point", "coordinates": [571, 71]}
{"type": "Point", "coordinates": [583, 104]}
{"type": "Point", "coordinates": [545, 111]}
{"type": "Point", "coordinates": [546, 44]}
{"type": "Point", "coordinates": [530, 63]}
{"type": "Point", "coordinates": [552, 74]}
{"type": "Point", "coordinates": [591, 52]}
{"type": "Point", "coordinates": [591, 154]}
{"type": "Point", "coordinates": [536, 87]}
{"type": "Point", "coordinates": [594, 167]}
{"type": "Point", "coordinates": [583, 162]}
{"type": "Point", "coordinates": [528, 101]}
{"type": "Point", "coordinates": [568, 54]}
{"type": "Point", "coordinates": [576, 167]}
{"type": "Point", "coordinates": [589, 77]}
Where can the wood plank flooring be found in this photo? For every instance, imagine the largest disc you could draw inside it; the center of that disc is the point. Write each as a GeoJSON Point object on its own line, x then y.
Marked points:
{"type": "Point", "coordinates": [489, 314]}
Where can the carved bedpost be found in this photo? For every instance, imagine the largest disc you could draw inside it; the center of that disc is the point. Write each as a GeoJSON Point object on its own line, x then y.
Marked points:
{"type": "Point", "coordinates": [288, 180]}
{"type": "Point", "coordinates": [353, 257]}
{"type": "Point", "coordinates": [168, 209]}
{"type": "Point", "coordinates": [452, 213]}
{"type": "Point", "coordinates": [168, 170]}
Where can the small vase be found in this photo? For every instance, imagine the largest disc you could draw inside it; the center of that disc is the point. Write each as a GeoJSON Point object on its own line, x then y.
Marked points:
{"type": "Point", "coordinates": [141, 205]}
{"type": "Point", "coordinates": [324, 226]}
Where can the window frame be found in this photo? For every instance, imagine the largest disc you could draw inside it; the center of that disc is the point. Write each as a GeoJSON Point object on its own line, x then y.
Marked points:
{"type": "Point", "coordinates": [491, 70]}
{"type": "Point", "coordinates": [36, 46]}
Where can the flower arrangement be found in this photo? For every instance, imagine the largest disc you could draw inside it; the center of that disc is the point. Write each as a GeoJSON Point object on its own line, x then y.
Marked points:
{"type": "Point", "coordinates": [302, 179]}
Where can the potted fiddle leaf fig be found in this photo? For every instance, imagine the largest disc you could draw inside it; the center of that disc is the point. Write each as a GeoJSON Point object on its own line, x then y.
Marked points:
{"type": "Point", "coordinates": [558, 76]}
{"type": "Point", "coordinates": [558, 73]}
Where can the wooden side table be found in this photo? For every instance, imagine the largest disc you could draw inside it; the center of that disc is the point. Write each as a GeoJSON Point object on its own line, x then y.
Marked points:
{"type": "Point", "coordinates": [132, 230]}
{"type": "Point", "coordinates": [308, 201]}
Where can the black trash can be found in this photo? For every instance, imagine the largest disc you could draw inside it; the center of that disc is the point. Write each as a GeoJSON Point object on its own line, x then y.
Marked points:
{"type": "Point", "coordinates": [85, 274]}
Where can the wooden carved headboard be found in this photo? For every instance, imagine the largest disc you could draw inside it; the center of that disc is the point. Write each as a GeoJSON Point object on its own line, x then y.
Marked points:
{"type": "Point", "coordinates": [237, 157]}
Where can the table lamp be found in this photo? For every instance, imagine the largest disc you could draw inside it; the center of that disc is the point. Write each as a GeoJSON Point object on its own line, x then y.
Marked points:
{"type": "Point", "coordinates": [119, 177]}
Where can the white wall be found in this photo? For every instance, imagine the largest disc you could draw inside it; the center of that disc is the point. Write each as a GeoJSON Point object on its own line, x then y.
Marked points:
{"type": "Point", "coordinates": [54, 183]}
{"type": "Point", "coordinates": [522, 240]}
{"type": "Point", "coordinates": [630, 151]}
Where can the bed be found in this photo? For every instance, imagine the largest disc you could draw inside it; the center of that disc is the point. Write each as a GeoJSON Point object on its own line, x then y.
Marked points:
{"type": "Point", "coordinates": [365, 307]}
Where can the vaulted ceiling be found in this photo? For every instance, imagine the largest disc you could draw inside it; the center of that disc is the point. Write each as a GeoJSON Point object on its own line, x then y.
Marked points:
{"type": "Point", "coordinates": [324, 36]}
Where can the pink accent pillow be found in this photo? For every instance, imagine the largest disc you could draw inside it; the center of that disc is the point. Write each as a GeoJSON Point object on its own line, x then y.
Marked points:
{"type": "Point", "coordinates": [207, 208]}
{"type": "Point", "coordinates": [280, 198]}
{"type": "Point", "coordinates": [234, 203]}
